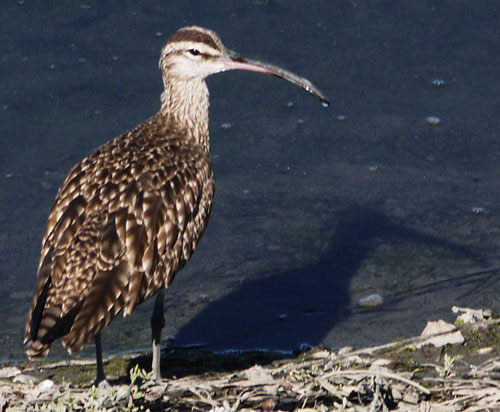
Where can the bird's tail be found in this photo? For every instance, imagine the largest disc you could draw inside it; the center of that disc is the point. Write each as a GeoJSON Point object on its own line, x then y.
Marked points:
{"type": "Point", "coordinates": [37, 350]}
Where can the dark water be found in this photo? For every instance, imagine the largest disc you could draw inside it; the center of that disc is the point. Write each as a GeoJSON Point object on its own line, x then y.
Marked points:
{"type": "Point", "coordinates": [315, 208]}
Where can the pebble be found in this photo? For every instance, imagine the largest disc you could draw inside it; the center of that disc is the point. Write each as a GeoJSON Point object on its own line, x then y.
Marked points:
{"type": "Point", "coordinates": [433, 120]}
{"type": "Point", "coordinates": [24, 379]}
{"type": "Point", "coordinates": [122, 392]}
{"type": "Point", "coordinates": [371, 301]}
{"type": "Point", "coordinates": [9, 372]}
{"type": "Point", "coordinates": [478, 210]}
{"type": "Point", "coordinates": [438, 83]}
{"type": "Point", "coordinates": [345, 350]}
{"type": "Point", "coordinates": [485, 351]}
{"type": "Point", "coordinates": [44, 386]}
{"type": "Point", "coordinates": [226, 126]}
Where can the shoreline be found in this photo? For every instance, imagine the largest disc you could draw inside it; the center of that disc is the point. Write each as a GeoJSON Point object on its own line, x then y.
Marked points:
{"type": "Point", "coordinates": [404, 375]}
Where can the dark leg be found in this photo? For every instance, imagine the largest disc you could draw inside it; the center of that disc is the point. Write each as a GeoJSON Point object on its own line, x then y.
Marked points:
{"type": "Point", "coordinates": [157, 324]}
{"type": "Point", "coordinates": [101, 376]}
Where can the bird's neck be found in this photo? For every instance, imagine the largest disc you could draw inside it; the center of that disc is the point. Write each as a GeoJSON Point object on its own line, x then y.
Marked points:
{"type": "Point", "coordinates": [185, 106]}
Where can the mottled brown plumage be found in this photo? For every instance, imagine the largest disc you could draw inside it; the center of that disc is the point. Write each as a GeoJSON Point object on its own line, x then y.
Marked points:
{"type": "Point", "coordinates": [129, 216]}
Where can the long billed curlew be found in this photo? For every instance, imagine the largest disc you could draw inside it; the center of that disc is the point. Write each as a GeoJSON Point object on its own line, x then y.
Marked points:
{"type": "Point", "coordinates": [129, 216]}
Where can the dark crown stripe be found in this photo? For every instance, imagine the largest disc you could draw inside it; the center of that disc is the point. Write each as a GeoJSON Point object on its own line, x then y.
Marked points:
{"type": "Point", "coordinates": [193, 35]}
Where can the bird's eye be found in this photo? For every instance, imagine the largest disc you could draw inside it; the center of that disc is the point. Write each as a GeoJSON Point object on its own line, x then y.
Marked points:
{"type": "Point", "coordinates": [194, 52]}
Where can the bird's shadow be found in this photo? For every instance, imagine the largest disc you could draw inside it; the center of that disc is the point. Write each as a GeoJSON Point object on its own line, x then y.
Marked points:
{"type": "Point", "coordinates": [299, 307]}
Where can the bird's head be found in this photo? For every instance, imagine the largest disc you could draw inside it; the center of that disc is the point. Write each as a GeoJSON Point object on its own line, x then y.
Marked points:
{"type": "Point", "coordinates": [193, 53]}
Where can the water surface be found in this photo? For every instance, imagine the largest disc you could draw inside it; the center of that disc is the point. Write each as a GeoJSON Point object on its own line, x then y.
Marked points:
{"type": "Point", "coordinates": [315, 208]}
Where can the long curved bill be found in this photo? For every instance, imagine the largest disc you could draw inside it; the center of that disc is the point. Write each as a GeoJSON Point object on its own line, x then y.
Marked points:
{"type": "Point", "coordinates": [234, 61]}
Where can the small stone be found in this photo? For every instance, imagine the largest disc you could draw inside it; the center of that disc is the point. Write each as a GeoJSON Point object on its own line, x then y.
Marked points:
{"type": "Point", "coordinates": [9, 372]}
{"type": "Point", "coordinates": [382, 362]}
{"type": "Point", "coordinates": [44, 386]}
{"type": "Point", "coordinates": [410, 397]}
{"type": "Point", "coordinates": [105, 390]}
{"type": "Point", "coordinates": [159, 34]}
{"type": "Point", "coordinates": [300, 121]}
{"type": "Point", "coordinates": [104, 385]}
{"type": "Point", "coordinates": [321, 354]}
{"type": "Point", "coordinates": [290, 104]}
{"type": "Point", "coordinates": [438, 336]}
{"type": "Point", "coordinates": [469, 315]}
{"type": "Point", "coordinates": [485, 351]}
{"type": "Point", "coordinates": [438, 83]}
{"type": "Point", "coordinates": [341, 117]}
{"type": "Point", "coordinates": [122, 392]}
{"type": "Point", "coordinates": [439, 326]}
{"type": "Point", "coordinates": [226, 126]}
{"type": "Point", "coordinates": [345, 350]}
{"type": "Point", "coordinates": [372, 169]}
{"type": "Point", "coordinates": [433, 120]}
{"type": "Point", "coordinates": [257, 375]}
{"type": "Point", "coordinates": [478, 210]}
{"type": "Point", "coordinates": [24, 379]}
{"type": "Point", "coordinates": [371, 301]}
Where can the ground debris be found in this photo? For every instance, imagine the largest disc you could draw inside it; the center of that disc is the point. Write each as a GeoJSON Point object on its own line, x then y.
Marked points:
{"type": "Point", "coordinates": [400, 376]}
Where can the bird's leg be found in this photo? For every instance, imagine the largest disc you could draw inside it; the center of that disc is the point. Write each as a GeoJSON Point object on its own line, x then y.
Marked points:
{"type": "Point", "coordinates": [101, 376]}
{"type": "Point", "coordinates": [157, 324]}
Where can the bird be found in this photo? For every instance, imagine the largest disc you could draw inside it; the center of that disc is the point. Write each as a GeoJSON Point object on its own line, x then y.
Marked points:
{"type": "Point", "coordinates": [128, 217]}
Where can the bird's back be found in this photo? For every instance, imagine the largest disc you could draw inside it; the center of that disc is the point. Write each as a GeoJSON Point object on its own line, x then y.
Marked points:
{"type": "Point", "coordinates": [125, 221]}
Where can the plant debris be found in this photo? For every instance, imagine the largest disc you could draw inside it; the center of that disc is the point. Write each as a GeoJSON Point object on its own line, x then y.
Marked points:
{"type": "Point", "coordinates": [402, 376]}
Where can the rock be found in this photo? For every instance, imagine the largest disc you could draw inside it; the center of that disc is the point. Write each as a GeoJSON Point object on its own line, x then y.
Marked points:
{"type": "Point", "coordinates": [485, 351]}
{"type": "Point", "coordinates": [122, 392]}
{"type": "Point", "coordinates": [439, 326]}
{"type": "Point", "coordinates": [440, 333]}
{"type": "Point", "coordinates": [345, 350]}
{"type": "Point", "coordinates": [471, 315]}
{"type": "Point", "coordinates": [371, 301]}
{"type": "Point", "coordinates": [24, 379]}
{"type": "Point", "coordinates": [382, 362]}
{"type": "Point", "coordinates": [9, 372]}
{"type": "Point", "coordinates": [44, 386]}
{"type": "Point", "coordinates": [258, 375]}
